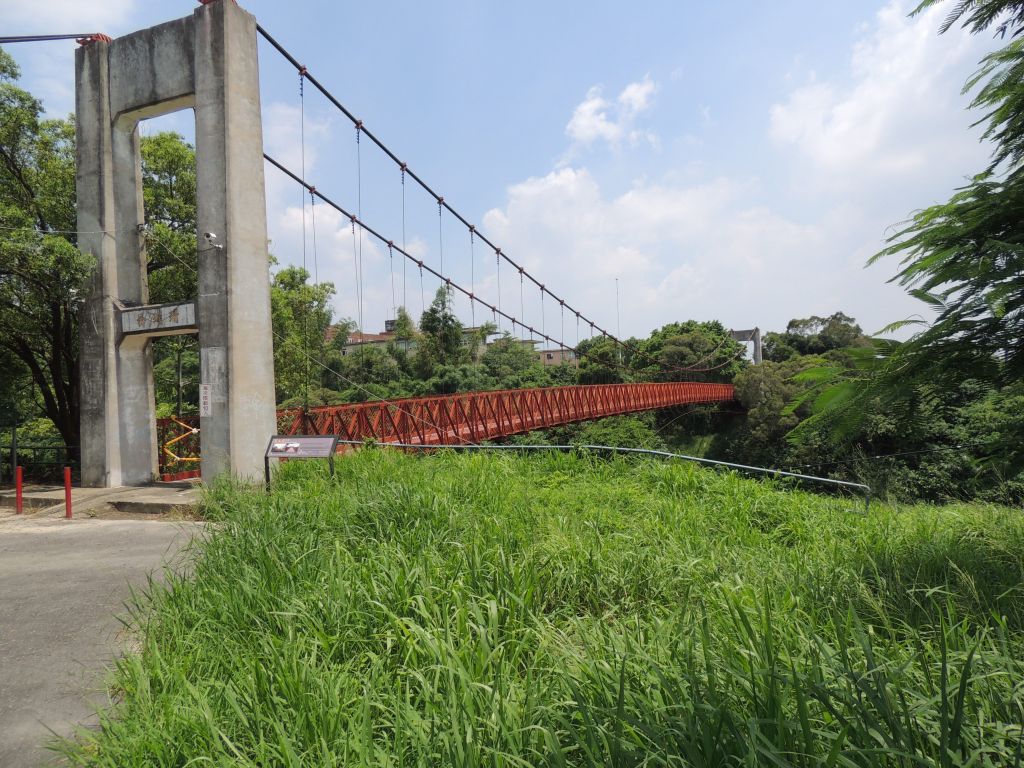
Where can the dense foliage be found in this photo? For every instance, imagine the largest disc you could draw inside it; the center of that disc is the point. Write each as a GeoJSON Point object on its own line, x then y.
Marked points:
{"type": "Point", "coordinates": [41, 270]}
{"type": "Point", "coordinates": [964, 259]}
{"type": "Point", "coordinates": [936, 417]}
{"type": "Point", "coordinates": [566, 611]}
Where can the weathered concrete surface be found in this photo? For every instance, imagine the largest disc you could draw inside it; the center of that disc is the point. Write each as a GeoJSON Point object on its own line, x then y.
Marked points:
{"type": "Point", "coordinates": [235, 333]}
{"type": "Point", "coordinates": [207, 61]}
{"type": "Point", "coordinates": [161, 498]}
{"type": "Point", "coordinates": [63, 584]}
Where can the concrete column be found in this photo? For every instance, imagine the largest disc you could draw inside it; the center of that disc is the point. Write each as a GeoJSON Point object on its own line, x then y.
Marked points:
{"type": "Point", "coordinates": [119, 437]}
{"type": "Point", "coordinates": [136, 396]}
{"type": "Point", "coordinates": [98, 393]}
{"type": "Point", "coordinates": [207, 60]}
{"type": "Point", "coordinates": [117, 404]}
{"type": "Point", "coordinates": [235, 336]}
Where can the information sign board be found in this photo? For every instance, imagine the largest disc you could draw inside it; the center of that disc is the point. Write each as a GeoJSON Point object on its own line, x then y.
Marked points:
{"type": "Point", "coordinates": [300, 447]}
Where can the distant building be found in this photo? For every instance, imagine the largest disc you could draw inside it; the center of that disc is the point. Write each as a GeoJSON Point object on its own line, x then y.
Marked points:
{"type": "Point", "coordinates": [359, 340]}
{"type": "Point", "coordinates": [557, 356]}
{"type": "Point", "coordinates": [546, 357]}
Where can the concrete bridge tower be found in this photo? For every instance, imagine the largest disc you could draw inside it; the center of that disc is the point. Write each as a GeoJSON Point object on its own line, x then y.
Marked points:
{"type": "Point", "coordinates": [207, 62]}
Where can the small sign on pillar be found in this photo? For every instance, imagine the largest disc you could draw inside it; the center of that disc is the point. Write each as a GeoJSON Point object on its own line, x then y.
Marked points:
{"type": "Point", "coordinates": [205, 400]}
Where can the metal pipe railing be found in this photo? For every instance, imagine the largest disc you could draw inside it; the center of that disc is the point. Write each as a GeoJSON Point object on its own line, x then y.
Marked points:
{"type": "Point", "coordinates": [865, 489]}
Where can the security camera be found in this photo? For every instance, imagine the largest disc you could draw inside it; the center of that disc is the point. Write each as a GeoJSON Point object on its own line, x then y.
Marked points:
{"type": "Point", "coordinates": [210, 237]}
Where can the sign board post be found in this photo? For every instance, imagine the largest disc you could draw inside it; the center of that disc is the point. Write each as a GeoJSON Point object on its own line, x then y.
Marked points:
{"type": "Point", "coordinates": [300, 447]}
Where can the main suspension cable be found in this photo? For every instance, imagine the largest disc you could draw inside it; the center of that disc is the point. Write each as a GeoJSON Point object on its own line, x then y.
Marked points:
{"type": "Point", "coordinates": [371, 395]}
{"type": "Point", "coordinates": [81, 38]}
{"type": "Point", "coordinates": [496, 310]}
{"type": "Point", "coordinates": [406, 170]}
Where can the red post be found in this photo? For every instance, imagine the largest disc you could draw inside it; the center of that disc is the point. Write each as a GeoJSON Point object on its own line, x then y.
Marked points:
{"type": "Point", "coordinates": [67, 493]}
{"type": "Point", "coordinates": [18, 501]}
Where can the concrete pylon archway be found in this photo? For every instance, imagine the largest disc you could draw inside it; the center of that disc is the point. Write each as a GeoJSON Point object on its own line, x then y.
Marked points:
{"type": "Point", "coordinates": [208, 62]}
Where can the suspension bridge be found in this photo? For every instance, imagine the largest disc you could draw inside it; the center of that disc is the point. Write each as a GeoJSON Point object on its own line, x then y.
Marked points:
{"type": "Point", "coordinates": [465, 417]}
{"type": "Point", "coordinates": [184, 64]}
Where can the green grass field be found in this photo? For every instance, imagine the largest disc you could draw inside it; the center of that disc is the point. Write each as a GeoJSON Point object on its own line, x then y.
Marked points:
{"type": "Point", "coordinates": [567, 610]}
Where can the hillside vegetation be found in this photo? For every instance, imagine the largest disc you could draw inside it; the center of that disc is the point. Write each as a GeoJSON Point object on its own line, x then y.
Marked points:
{"type": "Point", "coordinates": [568, 610]}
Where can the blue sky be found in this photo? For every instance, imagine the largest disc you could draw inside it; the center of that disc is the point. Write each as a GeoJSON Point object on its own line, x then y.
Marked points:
{"type": "Point", "coordinates": [735, 161]}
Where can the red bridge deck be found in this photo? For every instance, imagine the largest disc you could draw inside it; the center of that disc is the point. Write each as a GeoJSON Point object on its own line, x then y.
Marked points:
{"type": "Point", "coordinates": [466, 417]}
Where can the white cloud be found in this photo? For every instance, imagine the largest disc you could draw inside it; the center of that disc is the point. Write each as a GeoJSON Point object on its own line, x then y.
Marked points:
{"type": "Point", "coordinates": [598, 119]}
{"type": "Point", "coordinates": [282, 125]}
{"type": "Point", "coordinates": [702, 251]}
{"type": "Point", "coordinates": [901, 109]}
{"type": "Point", "coordinates": [590, 121]}
{"type": "Point", "coordinates": [885, 137]}
{"type": "Point", "coordinates": [636, 97]}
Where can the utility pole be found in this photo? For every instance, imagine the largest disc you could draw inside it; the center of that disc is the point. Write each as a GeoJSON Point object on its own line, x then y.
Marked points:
{"type": "Point", "coordinates": [180, 347]}
{"type": "Point", "coordinates": [618, 318]}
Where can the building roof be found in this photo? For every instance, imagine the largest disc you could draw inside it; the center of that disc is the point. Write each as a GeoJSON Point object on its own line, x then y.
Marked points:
{"type": "Point", "coordinates": [358, 337]}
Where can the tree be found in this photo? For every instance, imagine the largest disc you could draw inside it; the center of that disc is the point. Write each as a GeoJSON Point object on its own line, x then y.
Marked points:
{"type": "Point", "coordinates": [814, 336]}
{"type": "Point", "coordinates": [405, 328]}
{"type": "Point", "coordinates": [442, 342]}
{"type": "Point", "coordinates": [767, 392]}
{"type": "Point", "coordinates": [41, 270]}
{"type": "Point", "coordinates": [169, 197]}
{"type": "Point", "coordinates": [507, 356]}
{"type": "Point", "coordinates": [599, 361]}
{"type": "Point", "coordinates": [369, 365]}
{"type": "Point", "coordinates": [300, 316]}
{"type": "Point", "coordinates": [478, 339]}
{"type": "Point", "coordinates": [690, 351]}
{"type": "Point", "coordinates": [176, 375]}
{"type": "Point", "coordinates": [965, 257]}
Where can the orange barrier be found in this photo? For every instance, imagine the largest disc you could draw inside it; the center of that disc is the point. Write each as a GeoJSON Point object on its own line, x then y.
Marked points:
{"type": "Point", "coordinates": [468, 417]}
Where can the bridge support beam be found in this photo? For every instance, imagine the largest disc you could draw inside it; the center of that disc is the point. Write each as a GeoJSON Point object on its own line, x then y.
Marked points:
{"type": "Point", "coordinates": [207, 61]}
{"type": "Point", "coordinates": [752, 335]}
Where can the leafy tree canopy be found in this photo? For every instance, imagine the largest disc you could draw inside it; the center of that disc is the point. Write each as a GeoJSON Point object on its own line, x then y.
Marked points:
{"type": "Point", "coordinates": [963, 258]}
{"type": "Point", "coordinates": [814, 336]}
{"type": "Point", "coordinates": [689, 351]}
{"type": "Point", "coordinates": [42, 272]}
{"type": "Point", "coordinates": [300, 315]}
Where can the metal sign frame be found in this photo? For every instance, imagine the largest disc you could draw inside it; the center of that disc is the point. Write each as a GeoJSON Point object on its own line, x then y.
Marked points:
{"type": "Point", "coordinates": [299, 447]}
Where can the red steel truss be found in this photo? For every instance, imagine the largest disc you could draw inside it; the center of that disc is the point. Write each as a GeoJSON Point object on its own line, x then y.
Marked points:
{"type": "Point", "coordinates": [472, 417]}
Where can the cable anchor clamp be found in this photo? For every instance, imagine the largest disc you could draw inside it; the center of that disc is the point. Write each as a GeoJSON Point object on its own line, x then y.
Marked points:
{"type": "Point", "coordinates": [98, 37]}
